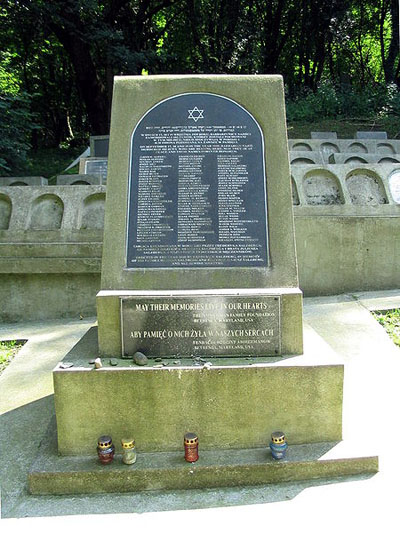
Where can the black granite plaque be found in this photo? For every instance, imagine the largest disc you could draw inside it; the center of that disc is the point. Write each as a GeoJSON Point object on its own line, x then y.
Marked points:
{"type": "Point", "coordinates": [181, 326]}
{"type": "Point", "coordinates": [197, 187]}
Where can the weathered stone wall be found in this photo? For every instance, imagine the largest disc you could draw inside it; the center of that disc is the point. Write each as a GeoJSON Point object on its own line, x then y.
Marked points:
{"type": "Point", "coordinates": [347, 220]}
{"type": "Point", "coordinates": [50, 250]}
{"type": "Point", "coordinates": [347, 185]}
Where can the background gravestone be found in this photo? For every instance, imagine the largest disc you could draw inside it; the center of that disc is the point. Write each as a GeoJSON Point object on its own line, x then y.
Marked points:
{"type": "Point", "coordinates": [371, 135]}
{"type": "Point", "coordinates": [95, 166]}
{"type": "Point", "coordinates": [199, 220]}
{"type": "Point", "coordinates": [323, 135]}
{"type": "Point", "coordinates": [99, 145]}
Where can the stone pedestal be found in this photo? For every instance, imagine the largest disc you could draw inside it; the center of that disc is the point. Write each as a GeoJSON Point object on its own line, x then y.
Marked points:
{"type": "Point", "coordinates": [228, 402]}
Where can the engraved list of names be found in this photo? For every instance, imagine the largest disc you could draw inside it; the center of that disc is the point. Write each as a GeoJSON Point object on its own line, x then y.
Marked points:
{"type": "Point", "coordinates": [197, 192]}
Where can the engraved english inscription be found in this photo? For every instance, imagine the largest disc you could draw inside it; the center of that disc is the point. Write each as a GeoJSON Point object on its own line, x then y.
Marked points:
{"type": "Point", "coordinates": [201, 325]}
{"type": "Point", "coordinates": [197, 194]}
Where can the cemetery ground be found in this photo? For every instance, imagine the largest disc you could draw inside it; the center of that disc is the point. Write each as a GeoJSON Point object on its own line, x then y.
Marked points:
{"type": "Point", "coordinates": [370, 426]}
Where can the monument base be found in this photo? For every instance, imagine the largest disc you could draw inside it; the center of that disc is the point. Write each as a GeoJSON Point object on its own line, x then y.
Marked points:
{"type": "Point", "coordinates": [51, 474]}
{"type": "Point", "coordinates": [229, 403]}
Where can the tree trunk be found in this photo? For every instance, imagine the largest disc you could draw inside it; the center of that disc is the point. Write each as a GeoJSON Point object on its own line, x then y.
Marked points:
{"type": "Point", "coordinates": [90, 88]}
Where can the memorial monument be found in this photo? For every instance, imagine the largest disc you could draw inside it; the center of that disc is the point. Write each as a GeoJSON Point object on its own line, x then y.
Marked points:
{"type": "Point", "coordinates": [199, 254]}
{"type": "Point", "coordinates": [199, 274]}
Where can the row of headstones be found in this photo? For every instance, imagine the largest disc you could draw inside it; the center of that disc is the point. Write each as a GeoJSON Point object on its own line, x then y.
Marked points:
{"type": "Point", "coordinates": [48, 208]}
{"type": "Point", "coordinates": [326, 148]}
{"type": "Point", "coordinates": [341, 184]}
{"type": "Point", "coordinates": [327, 185]}
{"type": "Point", "coordinates": [317, 151]}
{"type": "Point", "coordinates": [368, 135]}
{"type": "Point", "coordinates": [331, 158]}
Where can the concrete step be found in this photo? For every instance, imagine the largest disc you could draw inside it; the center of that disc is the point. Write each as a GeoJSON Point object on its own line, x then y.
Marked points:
{"type": "Point", "coordinates": [53, 474]}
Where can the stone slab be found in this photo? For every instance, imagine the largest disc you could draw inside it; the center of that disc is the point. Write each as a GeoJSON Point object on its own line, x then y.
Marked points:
{"type": "Point", "coordinates": [51, 474]}
{"type": "Point", "coordinates": [371, 135]}
{"type": "Point", "coordinates": [62, 210]}
{"type": "Point", "coordinates": [288, 334]}
{"type": "Point", "coordinates": [331, 262]}
{"type": "Point", "coordinates": [99, 145]}
{"type": "Point", "coordinates": [201, 325]}
{"type": "Point", "coordinates": [97, 166]}
{"type": "Point", "coordinates": [263, 99]}
{"type": "Point", "coordinates": [229, 403]}
{"type": "Point", "coordinates": [197, 186]}
{"type": "Point", "coordinates": [67, 295]}
{"type": "Point", "coordinates": [358, 189]}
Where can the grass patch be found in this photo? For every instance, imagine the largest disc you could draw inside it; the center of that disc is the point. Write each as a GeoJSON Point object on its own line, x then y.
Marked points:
{"type": "Point", "coordinates": [390, 320]}
{"type": "Point", "coordinates": [8, 350]}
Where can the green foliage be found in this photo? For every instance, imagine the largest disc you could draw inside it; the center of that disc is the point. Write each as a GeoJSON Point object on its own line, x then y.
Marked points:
{"type": "Point", "coordinates": [309, 105]}
{"type": "Point", "coordinates": [16, 125]}
{"type": "Point", "coordinates": [65, 53]}
{"type": "Point", "coordinates": [390, 320]}
{"type": "Point", "coordinates": [344, 102]}
{"type": "Point", "coordinates": [9, 79]}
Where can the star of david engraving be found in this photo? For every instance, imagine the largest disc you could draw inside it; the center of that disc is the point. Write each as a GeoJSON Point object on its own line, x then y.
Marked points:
{"type": "Point", "coordinates": [195, 113]}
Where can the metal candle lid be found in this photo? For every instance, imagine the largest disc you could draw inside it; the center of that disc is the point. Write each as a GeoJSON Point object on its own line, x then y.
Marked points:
{"type": "Point", "coordinates": [278, 437]}
{"type": "Point", "coordinates": [191, 438]}
{"type": "Point", "coordinates": [128, 443]}
{"type": "Point", "coordinates": [104, 441]}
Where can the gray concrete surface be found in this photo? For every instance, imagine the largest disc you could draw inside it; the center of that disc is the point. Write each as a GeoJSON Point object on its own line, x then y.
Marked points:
{"type": "Point", "coordinates": [371, 400]}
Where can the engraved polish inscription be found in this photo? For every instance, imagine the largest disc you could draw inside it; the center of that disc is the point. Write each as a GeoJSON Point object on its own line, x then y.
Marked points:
{"type": "Point", "coordinates": [202, 325]}
{"type": "Point", "coordinates": [197, 186]}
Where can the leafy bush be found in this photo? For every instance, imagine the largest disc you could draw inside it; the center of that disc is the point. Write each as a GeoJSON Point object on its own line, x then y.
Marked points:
{"type": "Point", "coordinates": [16, 126]}
{"type": "Point", "coordinates": [309, 106]}
{"type": "Point", "coordinates": [347, 102]}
